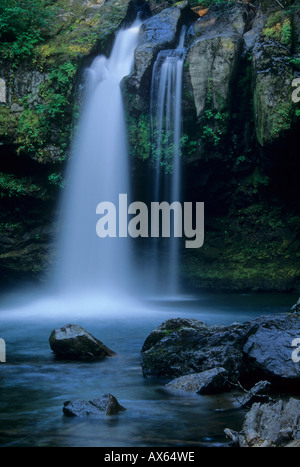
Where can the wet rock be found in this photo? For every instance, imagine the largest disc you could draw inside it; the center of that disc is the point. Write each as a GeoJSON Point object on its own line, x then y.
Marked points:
{"type": "Point", "coordinates": [208, 382]}
{"type": "Point", "coordinates": [106, 405]}
{"type": "Point", "coordinates": [72, 341]}
{"type": "Point", "coordinates": [260, 349]}
{"type": "Point", "coordinates": [268, 350]}
{"type": "Point", "coordinates": [183, 346]}
{"type": "Point", "coordinates": [159, 32]}
{"type": "Point", "coordinates": [274, 424]}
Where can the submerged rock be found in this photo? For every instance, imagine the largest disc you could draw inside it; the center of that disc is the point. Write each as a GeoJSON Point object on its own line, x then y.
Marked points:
{"type": "Point", "coordinates": [208, 382]}
{"type": "Point", "coordinates": [270, 425]}
{"type": "Point", "coordinates": [106, 405]}
{"type": "Point", "coordinates": [73, 341]}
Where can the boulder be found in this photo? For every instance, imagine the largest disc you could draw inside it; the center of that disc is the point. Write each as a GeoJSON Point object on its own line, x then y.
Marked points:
{"type": "Point", "coordinates": [208, 382]}
{"type": "Point", "coordinates": [73, 341]}
{"type": "Point", "coordinates": [268, 350]}
{"type": "Point", "coordinates": [183, 346]}
{"type": "Point", "coordinates": [106, 405]}
{"type": "Point", "coordinates": [275, 424]}
{"type": "Point", "coordinates": [260, 349]}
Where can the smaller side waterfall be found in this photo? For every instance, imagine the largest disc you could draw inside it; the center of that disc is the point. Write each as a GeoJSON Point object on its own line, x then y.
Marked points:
{"type": "Point", "coordinates": [166, 93]}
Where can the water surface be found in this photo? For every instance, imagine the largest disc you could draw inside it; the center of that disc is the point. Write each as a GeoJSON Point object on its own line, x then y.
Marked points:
{"type": "Point", "coordinates": [34, 385]}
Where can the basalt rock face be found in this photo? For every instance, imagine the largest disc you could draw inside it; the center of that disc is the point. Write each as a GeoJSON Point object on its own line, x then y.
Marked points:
{"type": "Point", "coordinates": [238, 120]}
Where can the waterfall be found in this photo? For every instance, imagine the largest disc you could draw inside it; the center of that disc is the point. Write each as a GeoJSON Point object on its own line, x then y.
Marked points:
{"type": "Point", "coordinates": [98, 171]}
{"type": "Point", "coordinates": [166, 90]}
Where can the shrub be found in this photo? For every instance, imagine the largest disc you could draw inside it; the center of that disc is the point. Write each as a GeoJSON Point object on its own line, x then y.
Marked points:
{"type": "Point", "coordinates": [23, 24]}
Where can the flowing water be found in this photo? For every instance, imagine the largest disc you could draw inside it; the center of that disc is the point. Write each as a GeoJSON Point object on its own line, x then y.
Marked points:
{"type": "Point", "coordinates": [166, 90]}
{"type": "Point", "coordinates": [34, 385]}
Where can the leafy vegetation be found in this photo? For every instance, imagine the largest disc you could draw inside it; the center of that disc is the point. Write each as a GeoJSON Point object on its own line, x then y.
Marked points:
{"type": "Point", "coordinates": [11, 186]}
{"type": "Point", "coordinates": [212, 120]}
{"type": "Point", "coordinates": [23, 24]}
{"type": "Point", "coordinates": [279, 28]}
{"type": "Point", "coordinates": [48, 122]}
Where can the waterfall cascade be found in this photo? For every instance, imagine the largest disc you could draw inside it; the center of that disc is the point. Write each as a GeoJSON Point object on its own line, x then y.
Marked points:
{"type": "Point", "coordinates": [98, 171]}
{"type": "Point", "coordinates": [166, 91]}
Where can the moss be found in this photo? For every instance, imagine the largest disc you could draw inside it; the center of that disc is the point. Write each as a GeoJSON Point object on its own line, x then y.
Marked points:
{"type": "Point", "coordinates": [271, 124]}
{"type": "Point", "coordinates": [78, 28]}
{"type": "Point", "coordinates": [8, 123]}
{"type": "Point", "coordinates": [282, 118]}
{"type": "Point", "coordinates": [279, 28]}
{"type": "Point", "coordinates": [43, 128]}
{"type": "Point", "coordinates": [259, 245]}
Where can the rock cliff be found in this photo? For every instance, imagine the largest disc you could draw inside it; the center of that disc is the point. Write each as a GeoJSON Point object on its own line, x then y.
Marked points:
{"type": "Point", "coordinates": [240, 130]}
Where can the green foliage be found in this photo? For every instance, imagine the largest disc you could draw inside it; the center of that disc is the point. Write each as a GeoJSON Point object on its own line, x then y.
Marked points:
{"type": "Point", "coordinates": [212, 121]}
{"type": "Point", "coordinates": [278, 27]}
{"type": "Point", "coordinates": [48, 122]}
{"type": "Point", "coordinates": [189, 145]}
{"type": "Point", "coordinates": [8, 123]}
{"type": "Point", "coordinates": [56, 180]}
{"type": "Point", "coordinates": [139, 136]}
{"type": "Point", "coordinates": [165, 152]}
{"type": "Point", "coordinates": [295, 61]}
{"type": "Point", "coordinates": [286, 32]}
{"type": "Point", "coordinates": [11, 186]}
{"type": "Point", "coordinates": [23, 24]}
{"type": "Point", "coordinates": [31, 132]}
